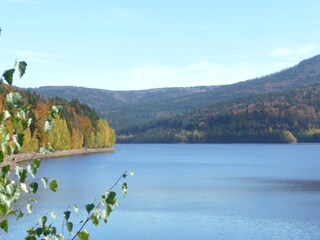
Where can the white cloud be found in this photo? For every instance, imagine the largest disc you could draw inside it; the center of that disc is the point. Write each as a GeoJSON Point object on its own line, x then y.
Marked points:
{"type": "Point", "coordinates": [295, 51]}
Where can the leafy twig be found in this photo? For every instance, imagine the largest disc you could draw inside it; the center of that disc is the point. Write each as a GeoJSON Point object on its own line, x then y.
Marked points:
{"type": "Point", "coordinates": [90, 215]}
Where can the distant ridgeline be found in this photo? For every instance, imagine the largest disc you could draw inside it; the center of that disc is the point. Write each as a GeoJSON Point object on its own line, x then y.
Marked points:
{"type": "Point", "coordinates": [280, 107]}
{"type": "Point", "coordinates": [78, 125]}
{"type": "Point", "coordinates": [270, 118]}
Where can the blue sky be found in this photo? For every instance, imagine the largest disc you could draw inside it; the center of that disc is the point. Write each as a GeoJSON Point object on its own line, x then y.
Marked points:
{"type": "Point", "coordinates": [127, 45]}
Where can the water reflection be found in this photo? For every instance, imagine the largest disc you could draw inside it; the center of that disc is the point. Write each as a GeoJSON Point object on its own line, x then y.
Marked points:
{"type": "Point", "coordinates": [270, 184]}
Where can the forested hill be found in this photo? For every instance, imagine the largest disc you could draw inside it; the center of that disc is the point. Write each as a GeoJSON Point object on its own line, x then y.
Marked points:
{"type": "Point", "coordinates": [126, 109]}
{"type": "Point", "coordinates": [77, 126]}
{"type": "Point", "coordinates": [123, 108]}
{"type": "Point", "coordinates": [269, 118]}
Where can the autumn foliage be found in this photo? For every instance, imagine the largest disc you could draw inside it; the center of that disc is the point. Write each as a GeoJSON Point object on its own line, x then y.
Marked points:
{"type": "Point", "coordinates": [78, 126]}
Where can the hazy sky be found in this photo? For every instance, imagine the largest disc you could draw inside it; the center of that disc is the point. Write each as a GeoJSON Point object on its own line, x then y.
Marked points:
{"type": "Point", "coordinates": [141, 44]}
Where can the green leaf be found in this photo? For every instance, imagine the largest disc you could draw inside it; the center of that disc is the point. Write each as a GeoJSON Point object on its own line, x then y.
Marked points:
{"type": "Point", "coordinates": [13, 99]}
{"type": "Point", "coordinates": [43, 150]}
{"type": "Point", "coordinates": [18, 140]}
{"type": "Point", "coordinates": [58, 237]}
{"type": "Point", "coordinates": [45, 182]}
{"type": "Point", "coordinates": [36, 163]}
{"type": "Point", "coordinates": [8, 76]}
{"type": "Point", "coordinates": [104, 216]}
{"type": "Point", "coordinates": [43, 220]}
{"type": "Point", "coordinates": [9, 149]}
{"type": "Point", "coordinates": [4, 116]}
{"type": "Point", "coordinates": [21, 174]}
{"type": "Point", "coordinates": [11, 188]}
{"type": "Point", "coordinates": [21, 138]}
{"type": "Point", "coordinates": [34, 187]}
{"type": "Point", "coordinates": [4, 225]}
{"type": "Point", "coordinates": [89, 207]}
{"type": "Point", "coordinates": [20, 215]}
{"type": "Point", "coordinates": [124, 188]}
{"type": "Point", "coordinates": [21, 114]}
{"type": "Point", "coordinates": [69, 226]}
{"type": "Point", "coordinates": [111, 198]}
{"type": "Point", "coordinates": [84, 235]}
{"type": "Point", "coordinates": [32, 200]}
{"type": "Point", "coordinates": [75, 208]}
{"type": "Point", "coordinates": [21, 67]}
{"type": "Point", "coordinates": [57, 109]}
{"type": "Point", "coordinates": [53, 186]}
{"type": "Point", "coordinates": [15, 121]}
{"type": "Point", "coordinates": [66, 215]}
{"type": "Point", "coordinates": [30, 238]}
{"type": "Point", "coordinates": [3, 210]}
{"type": "Point", "coordinates": [24, 188]}
{"type": "Point", "coordinates": [95, 220]}
{"type": "Point", "coordinates": [29, 208]}
{"type": "Point", "coordinates": [51, 230]}
{"type": "Point", "coordinates": [47, 126]}
{"type": "Point", "coordinates": [5, 171]}
{"type": "Point", "coordinates": [1, 156]}
{"type": "Point", "coordinates": [25, 123]}
{"type": "Point", "coordinates": [39, 231]}
{"type": "Point", "coordinates": [4, 140]}
{"type": "Point", "coordinates": [34, 167]}
{"type": "Point", "coordinates": [31, 234]}
{"type": "Point", "coordinates": [109, 209]}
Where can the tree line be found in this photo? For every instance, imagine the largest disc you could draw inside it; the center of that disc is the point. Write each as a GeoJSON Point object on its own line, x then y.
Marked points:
{"type": "Point", "coordinates": [78, 125]}
{"type": "Point", "coordinates": [292, 116]}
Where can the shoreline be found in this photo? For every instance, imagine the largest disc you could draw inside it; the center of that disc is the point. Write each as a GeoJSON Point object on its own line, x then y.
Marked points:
{"type": "Point", "coordinates": [14, 159]}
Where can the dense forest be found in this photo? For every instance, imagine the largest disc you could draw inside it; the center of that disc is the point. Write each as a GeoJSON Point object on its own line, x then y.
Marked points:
{"type": "Point", "coordinates": [269, 118]}
{"type": "Point", "coordinates": [78, 125]}
{"type": "Point", "coordinates": [125, 109]}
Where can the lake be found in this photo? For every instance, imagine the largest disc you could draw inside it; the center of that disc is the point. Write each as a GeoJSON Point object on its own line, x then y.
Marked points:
{"type": "Point", "coordinates": [182, 191]}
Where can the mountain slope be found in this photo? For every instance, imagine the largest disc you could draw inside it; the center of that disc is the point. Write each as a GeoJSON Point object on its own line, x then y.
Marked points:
{"type": "Point", "coordinates": [275, 117]}
{"type": "Point", "coordinates": [109, 104]}
{"type": "Point", "coordinates": [125, 109]}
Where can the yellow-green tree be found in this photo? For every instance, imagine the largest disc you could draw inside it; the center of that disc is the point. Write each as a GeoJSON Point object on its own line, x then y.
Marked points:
{"type": "Point", "coordinates": [59, 135]}
{"type": "Point", "coordinates": [40, 110]}
{"type": "Point", "coordinates": [88, 141]}
{"type": "Point", "coordinates": [287, 137]}
{"type": "Point", "coordinates": [76, 139]}
{"type": "Point", "coordinates": [101, 134]}
{"type": "Point", "coordinates": [104, 135]}
{"type": "Point", "coordinates": [112, 137]}
{"type": "Point", "coordinates": [30, 143]}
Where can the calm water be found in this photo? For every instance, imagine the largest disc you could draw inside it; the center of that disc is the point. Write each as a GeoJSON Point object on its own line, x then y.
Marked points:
{"type": "Point", "coordinates": [195, 191]}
